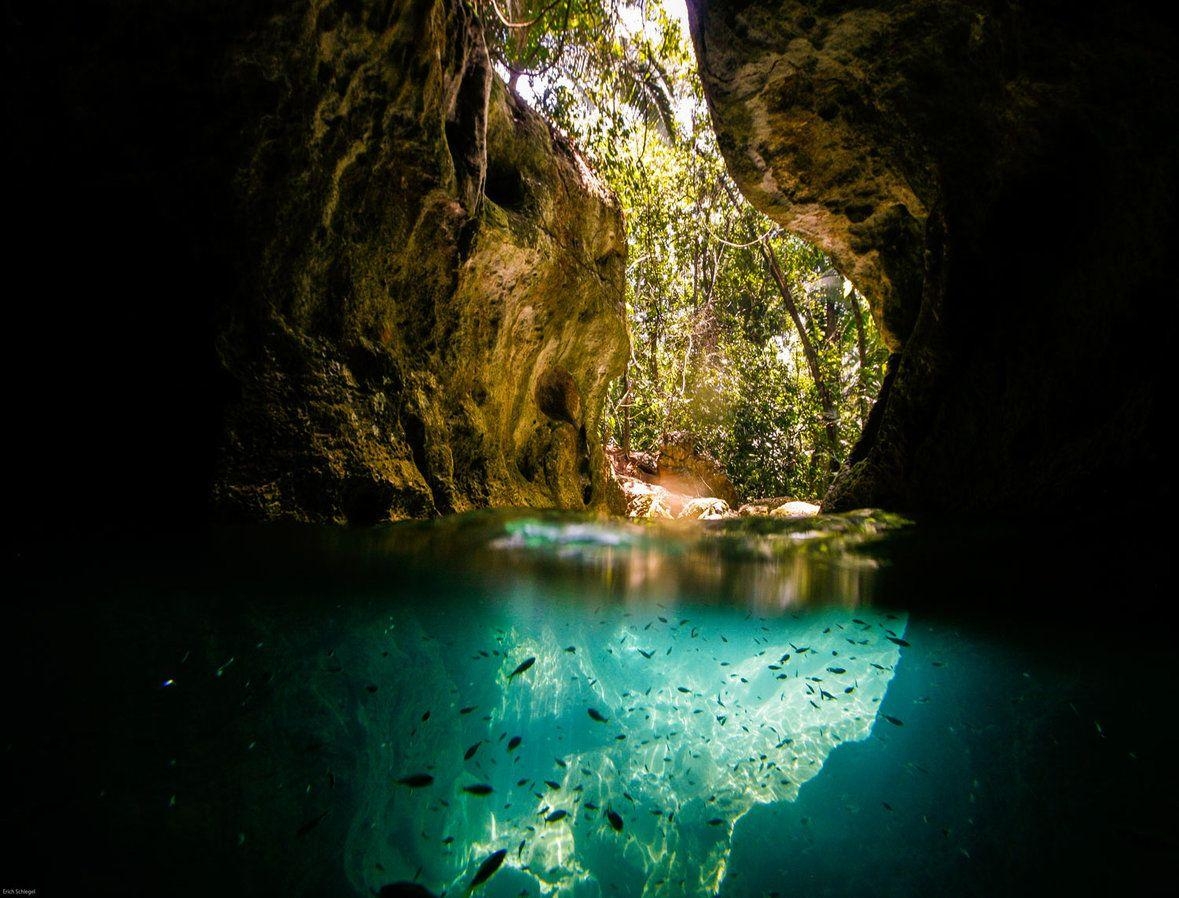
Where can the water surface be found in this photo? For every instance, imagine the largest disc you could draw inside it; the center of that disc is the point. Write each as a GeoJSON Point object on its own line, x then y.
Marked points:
{"type": "Point", "coordinates": [739, 708]}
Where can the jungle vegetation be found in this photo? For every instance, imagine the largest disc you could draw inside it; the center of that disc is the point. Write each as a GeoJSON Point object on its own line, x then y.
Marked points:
{"type": "Point", "coordinates": [742, 334]}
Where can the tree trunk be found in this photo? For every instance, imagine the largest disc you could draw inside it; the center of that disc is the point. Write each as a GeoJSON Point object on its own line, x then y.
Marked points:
{"type": "Point", "coordinates": [826, 400]}
{"type": "Point", "coordinates": [862, 346]}
{"type": "Point", "coordinates": [626, 411]}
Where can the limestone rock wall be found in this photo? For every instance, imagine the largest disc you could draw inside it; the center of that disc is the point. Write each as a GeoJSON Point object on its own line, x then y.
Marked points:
{"type": "Point", "coordinates": [430, 256]}
{"type": "Point", "coordinates": [296, 259]}
{"type": "Point", "coordinates": [999, 180]}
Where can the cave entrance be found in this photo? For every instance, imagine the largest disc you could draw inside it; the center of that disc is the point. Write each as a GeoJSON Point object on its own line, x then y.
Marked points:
{"type": "Point", "coordinates": [754, 361]}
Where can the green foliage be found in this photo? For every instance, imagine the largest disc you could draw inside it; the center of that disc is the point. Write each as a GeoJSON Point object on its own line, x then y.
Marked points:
{"type": "Point", "coordinates": [716, 349]}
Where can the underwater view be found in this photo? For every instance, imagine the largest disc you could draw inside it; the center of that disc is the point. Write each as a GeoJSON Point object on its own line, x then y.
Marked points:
{"type": "Point", "coordinates": [520, 704]}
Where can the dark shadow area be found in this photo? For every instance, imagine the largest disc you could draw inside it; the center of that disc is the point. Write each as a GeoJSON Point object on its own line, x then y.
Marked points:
{"type": "Point", "coordinates": [119, 190]}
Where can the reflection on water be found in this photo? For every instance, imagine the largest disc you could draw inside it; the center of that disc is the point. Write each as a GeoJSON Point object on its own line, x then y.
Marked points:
{"type": "Point", "coordinates": [770, 565]}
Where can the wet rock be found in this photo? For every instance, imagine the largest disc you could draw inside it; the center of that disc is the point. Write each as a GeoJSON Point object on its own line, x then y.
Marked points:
{"type": "Point", "coordinates": [705, 509]}
{"type": "Point", "coordinates": [651, 505]}
{"type": "Point", "coordinates": [997, 180]}
{"type": "Point", "coordinates": [685, 467]}
{"type": "Point", "coordinates": [795, 510]}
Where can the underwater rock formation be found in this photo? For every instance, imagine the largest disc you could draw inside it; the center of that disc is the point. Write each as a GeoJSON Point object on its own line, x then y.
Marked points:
{"type": "Point", "coordinates": [346, 265]}
{"type": "Point", "coordinates": [999, 180]}
{"type": "Point", "coordinates": [687, 734]}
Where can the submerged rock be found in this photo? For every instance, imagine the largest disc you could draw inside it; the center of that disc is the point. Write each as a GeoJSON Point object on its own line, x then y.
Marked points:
{"type": "Point", "coordinates": [712, 732]}
{"type": "Point", "coordinates": [998, 180]}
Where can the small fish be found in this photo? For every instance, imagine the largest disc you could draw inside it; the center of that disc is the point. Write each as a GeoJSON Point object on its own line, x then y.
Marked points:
{"type": "Point", "coordinates": [898, 641]}
{"type": "Point", "coordinates": [595, 714]}
{"type": "Point", "coordinates": [799, 651]}
{"type": "Point", "coordinates": [514, 743]}
{"type": "Point", "coordinates": [590, 806]}
{"type": "Point", "coordinates": [556, 815]}
{"type": "Point", "coordinates": [684, 689]}
{"type": "Point", "coordinates": [521, 782]}
{"type": "Point", "coordinates": [887, 806]}
{"type": "Point", "coordinates": [716, 821]}
{"type": "Point", "coordinates": [448, 840]}
{"type": "Point", "coordinates": [468, 709]}
{"type": "Point", "coordinates": [895, 721]}
{"type": "Point", "coordinates": [520, 848]}
{"type": "Point", "coordinates": [487, 869]}
{"type": "Point", "coordinates": [646, 654]}
{"type": "Point", "coordinates": [615, 820]}
{"type": "Point", "coordinates": [856, 620]}
{"type": "Point", "coordinates": [522, 666]}
{"type": "Point", "coordinates": [310, 825]}
{"type": "Point", "coordinates": [425, 717]}
{"type": "Point", "coordinates": [416, 780]}
{"type": "Point", "coordinates": [561, 763]}
{"type": "Point", "coordinates": [571, 648]}
{"type": "Point", "coordinates": [470, 752]}
{"type": "Point", "coordinates": [478, 789]}
{"type": "Point", "coordinates": [836, 670]}
{"type": "Point", "coordinates": [552, 784]}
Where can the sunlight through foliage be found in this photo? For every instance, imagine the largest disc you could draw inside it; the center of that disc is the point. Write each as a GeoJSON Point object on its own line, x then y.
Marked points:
{"type": "Point", "coordinates": [742, 334]}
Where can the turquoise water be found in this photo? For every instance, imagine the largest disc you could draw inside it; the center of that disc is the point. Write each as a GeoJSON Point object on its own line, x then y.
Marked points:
{"type": "Point", "coordinates": [743, 708]}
